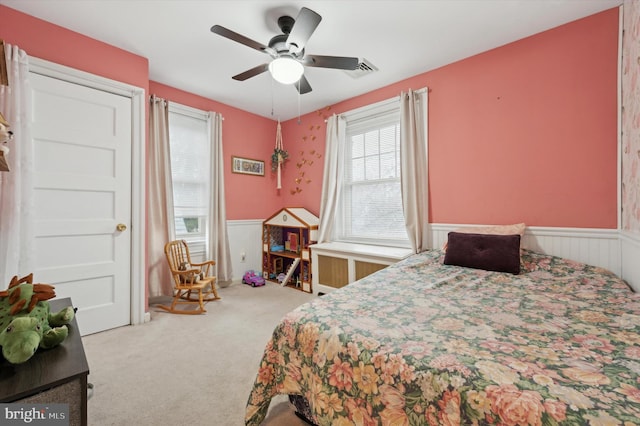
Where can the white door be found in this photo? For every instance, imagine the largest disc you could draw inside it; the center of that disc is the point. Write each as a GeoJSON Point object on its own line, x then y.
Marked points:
{"type": "Point", "coordinates": [82, 193]}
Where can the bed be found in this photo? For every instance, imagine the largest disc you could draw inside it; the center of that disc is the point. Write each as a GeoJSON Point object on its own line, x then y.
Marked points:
{"type": "Point", "coordinates": [427, 343]}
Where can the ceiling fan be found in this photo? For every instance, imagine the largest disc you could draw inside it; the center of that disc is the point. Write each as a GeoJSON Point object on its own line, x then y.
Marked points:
{"type": "Point", "coordinates": [287, 51]}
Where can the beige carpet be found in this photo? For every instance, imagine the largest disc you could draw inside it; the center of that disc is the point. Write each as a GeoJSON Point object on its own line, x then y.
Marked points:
{"type": "Point", "coordinates": [189, 369]}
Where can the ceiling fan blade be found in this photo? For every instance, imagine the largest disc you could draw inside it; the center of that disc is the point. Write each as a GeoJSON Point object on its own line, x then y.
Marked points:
{"type": "Point", "coordinates": [251, 73]}
{"type": "Point", "coordinates": [339, 62]}
{"type": "Point", "coordinates": [303, 85]}
{"type": "Point", "coordinates": [239, 38]}
{"type": "Point", "coordinates": [305, 24]}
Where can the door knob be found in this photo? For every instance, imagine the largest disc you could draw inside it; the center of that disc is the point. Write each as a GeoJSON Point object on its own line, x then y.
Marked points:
{"type": "Point", "coordinates": [121, 227]}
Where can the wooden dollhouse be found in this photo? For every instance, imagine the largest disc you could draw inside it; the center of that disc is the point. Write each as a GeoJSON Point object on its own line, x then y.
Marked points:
{"type": "Point", "coordinates": [286, 257]}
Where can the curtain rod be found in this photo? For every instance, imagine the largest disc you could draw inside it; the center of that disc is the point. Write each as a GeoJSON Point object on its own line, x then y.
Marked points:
{"type": "Point", "coordinates": [154, 98]}
{"type": "Point", "coordinates": [182, 109]}
{"type": "Point", "coordinates": [383, 102]}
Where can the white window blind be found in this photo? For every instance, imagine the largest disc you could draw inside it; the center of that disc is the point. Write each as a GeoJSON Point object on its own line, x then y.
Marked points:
{"type": "Point", "coordinates": [371, 203]}
{"type": "Point", "coordinates": [190, 170]}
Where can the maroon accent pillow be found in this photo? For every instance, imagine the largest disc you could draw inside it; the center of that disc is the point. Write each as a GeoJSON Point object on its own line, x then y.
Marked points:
{"type": "Point", "coordinates": [491, 252]}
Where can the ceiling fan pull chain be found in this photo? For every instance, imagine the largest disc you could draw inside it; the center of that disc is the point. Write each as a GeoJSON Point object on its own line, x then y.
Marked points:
{"type": "Point", "coordinates": [272, 97]}
{"type": "Point", "coordinates": [298, 104]}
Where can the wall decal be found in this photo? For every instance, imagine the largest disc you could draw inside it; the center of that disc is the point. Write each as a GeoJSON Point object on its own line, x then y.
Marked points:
{"type": "Point", "coordinates": [304, 162]}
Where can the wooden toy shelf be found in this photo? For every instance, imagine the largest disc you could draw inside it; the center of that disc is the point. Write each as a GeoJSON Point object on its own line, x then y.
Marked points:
{"type": "Point", "coordinates": [286, 237]}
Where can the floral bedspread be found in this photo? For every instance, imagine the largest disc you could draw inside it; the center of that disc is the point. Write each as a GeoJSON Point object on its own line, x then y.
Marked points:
{"type": "Point", "coordinates": [422, 343]}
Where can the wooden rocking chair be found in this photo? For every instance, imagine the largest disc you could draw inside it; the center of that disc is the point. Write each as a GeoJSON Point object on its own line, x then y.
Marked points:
{"type": "Point", "coordinates": [193, 282]}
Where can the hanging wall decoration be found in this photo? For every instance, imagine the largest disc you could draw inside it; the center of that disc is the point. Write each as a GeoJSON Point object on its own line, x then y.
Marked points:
{"type": "Point", "coordinates": [279, 156]}
{"type": "Point", "coordinates": [307, 158]}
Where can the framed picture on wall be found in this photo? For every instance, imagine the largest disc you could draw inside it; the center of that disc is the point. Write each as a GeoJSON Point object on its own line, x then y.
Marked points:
{"type": "Point", "coordinates": [247, 166]}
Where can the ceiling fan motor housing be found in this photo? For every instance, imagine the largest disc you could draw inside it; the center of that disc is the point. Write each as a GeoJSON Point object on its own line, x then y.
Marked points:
{"type": "Point", "coordinates": [279, 44]}
{"type": "Point", "coordinates": [286, 23]}
{"type": "Point", "coordinates": [289, 45]}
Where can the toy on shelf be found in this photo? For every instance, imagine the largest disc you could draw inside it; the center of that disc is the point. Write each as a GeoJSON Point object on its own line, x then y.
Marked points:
{"type": "Point", "coordinates": [277, 265]}
{"type": "Point", "coordinates": [290, 271]}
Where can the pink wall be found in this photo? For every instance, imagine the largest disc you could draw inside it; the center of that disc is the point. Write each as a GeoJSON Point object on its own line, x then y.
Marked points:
{"type": "Point", "coordinates": [44, 40]}
{"type": "Point", "coordinates": [525, 132]}
{"type": "Point", "coordinates": [305, 143]}
{"type": "Point", "coordinates": [244, 135]}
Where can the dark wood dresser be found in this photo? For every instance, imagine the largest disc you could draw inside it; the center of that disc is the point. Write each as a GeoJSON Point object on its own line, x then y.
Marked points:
{"type": "Point", "coordinates": [57, 375]}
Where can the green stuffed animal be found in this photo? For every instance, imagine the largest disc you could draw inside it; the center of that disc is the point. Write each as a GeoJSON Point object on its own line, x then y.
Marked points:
{"type": "Point", "coordinates": [26, 321]}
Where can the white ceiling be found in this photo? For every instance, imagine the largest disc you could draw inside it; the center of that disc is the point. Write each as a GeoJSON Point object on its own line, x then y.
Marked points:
{"type": "Point", "coordinates": [402, 38]}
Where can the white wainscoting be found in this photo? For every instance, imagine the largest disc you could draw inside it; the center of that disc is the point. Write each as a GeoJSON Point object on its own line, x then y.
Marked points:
{"type": "Point", "coordinates": [616, 251]}
{"type": "Point", "coordinates": [245, 238]}
{"type": "Point", "coordinates": [630, 258]}
{"type": "Point", "coordinates": [599, 247]}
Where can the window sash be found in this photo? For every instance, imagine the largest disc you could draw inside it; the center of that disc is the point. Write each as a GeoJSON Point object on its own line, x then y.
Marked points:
{"type": "Point", "coordinates": [190, 149]}
{"type": "Point", "coordinates": [371, 183]}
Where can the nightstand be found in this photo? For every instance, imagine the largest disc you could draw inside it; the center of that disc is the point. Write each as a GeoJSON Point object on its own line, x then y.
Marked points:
{"type": "Point", "coordinates": [57, 375]}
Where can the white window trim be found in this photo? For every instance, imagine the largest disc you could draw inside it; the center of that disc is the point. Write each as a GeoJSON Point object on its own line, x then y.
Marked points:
{"type": "Point", "coordinates": [188, 111]}
{"type": "Point", "coordinates": [369, 112]}
{"type": "Point", "coordinates": [197, 247]}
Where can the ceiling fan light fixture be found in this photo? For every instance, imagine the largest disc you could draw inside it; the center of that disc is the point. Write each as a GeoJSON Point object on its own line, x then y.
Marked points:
{"type": "Point", "coordinates": [286, 70]}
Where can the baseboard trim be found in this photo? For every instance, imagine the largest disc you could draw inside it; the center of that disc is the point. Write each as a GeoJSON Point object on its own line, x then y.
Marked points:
{"type": "Point", "coordinates": [611, 249]}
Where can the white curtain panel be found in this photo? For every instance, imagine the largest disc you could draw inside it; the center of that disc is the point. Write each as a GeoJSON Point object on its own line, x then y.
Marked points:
{"type": "Point", "coordinates": [160, 216]}
{"type": "Point", "coordinates": [414, 167]}
{"type": "Point", "coordinates": [17, 246]}
{"type": "Point", "coordinates": [333, 175]}
{"type": "Point", "coordinates": [218, 237]}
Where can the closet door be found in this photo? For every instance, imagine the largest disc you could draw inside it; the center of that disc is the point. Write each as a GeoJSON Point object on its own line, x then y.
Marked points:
{"type": "Point", "coordinates": [82, 198]}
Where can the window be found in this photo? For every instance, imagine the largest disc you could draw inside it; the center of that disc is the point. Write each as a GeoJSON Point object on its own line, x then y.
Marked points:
{"type": "Point", "coordinates": [191, 175]}
{"type": "Point", "coordinates": [371, 202]}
